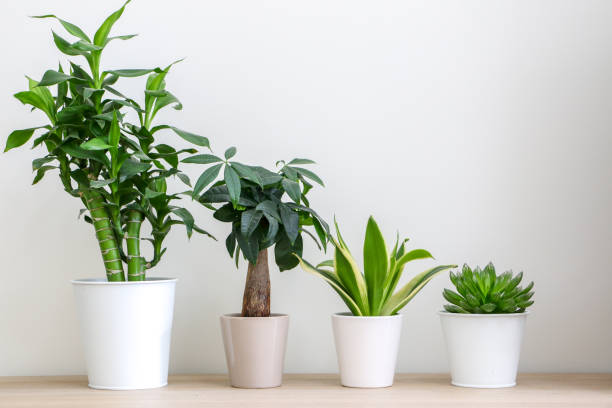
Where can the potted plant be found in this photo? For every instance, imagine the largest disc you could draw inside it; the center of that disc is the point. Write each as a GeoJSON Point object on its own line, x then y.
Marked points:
{"type": "Point", "coordinates": [483, 326]}
{"type": "Point", "coordinates": [367, 338]}
{"type": "Point", "coordinates": [266, 209]}
{"type": "Point", "coordinates": [118, 170]}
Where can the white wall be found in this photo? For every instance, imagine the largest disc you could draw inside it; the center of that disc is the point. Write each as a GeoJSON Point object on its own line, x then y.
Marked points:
{"type": "Point", "coordinates": [480, 129]}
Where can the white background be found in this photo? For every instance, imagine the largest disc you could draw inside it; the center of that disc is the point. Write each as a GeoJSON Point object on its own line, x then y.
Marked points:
{"type": "Point", "coordinates": [480, 129]}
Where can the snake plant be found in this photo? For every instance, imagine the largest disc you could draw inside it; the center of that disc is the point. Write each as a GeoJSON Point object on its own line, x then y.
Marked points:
{"type": "Point", "coordinates": [372, 293]}
{"type": "Point", "coordinates": [265, 209]}
{"type": "Point", "coordinates": [117, 169]}
{"type": "Point", "coordinates": [483, 291]}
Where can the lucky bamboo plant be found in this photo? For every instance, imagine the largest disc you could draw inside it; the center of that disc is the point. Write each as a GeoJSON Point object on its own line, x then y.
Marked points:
{"type": "Point", "coordinates": [371, 293]}
{"type": "Point", "coordinates": [116, 168]}
{"type": "Point", "coordinates": [252, 199]}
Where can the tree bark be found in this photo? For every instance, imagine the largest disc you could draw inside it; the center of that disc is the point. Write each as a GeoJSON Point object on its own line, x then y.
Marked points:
{"type": "Point", "coordinates": [256, 301]}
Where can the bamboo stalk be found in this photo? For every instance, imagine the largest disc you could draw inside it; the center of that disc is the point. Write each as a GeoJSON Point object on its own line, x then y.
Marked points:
{"type": "Point", "coordinates": [136, 267]}
{"type": "Point", "coordinates": [105, 235]}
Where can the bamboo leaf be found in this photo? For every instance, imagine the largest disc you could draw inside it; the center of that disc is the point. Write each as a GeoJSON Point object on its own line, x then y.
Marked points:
{"type": "Point", "coordinates": [186, 217]}
{"type": "Point", "coordinates": [102, 32]}
{"type": "Point", "coordinates": [19, 137]}
{"type": "Point", "coordinates": [71, 28]}
{"type": "Point", "coordinates": [95, 144]}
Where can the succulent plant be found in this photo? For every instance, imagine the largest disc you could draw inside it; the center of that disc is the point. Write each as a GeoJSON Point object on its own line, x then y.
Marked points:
{"type": "Point", "coordinates": [483, 291]}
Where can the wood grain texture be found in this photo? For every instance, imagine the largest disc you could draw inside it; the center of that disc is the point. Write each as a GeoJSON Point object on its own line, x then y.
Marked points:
{"type": "Point", "coordinates": [312, 390]}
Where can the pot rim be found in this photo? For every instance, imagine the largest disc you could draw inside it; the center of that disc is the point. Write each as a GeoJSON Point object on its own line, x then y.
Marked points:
{"type": "Point", "coordinates": [349, 315]}
{"type": "Point", "coordinates": [104, 282]}
{"type": "Point", "coordinates": [238, 316]}
{"type": "Point", "coordinates": [477, 315]}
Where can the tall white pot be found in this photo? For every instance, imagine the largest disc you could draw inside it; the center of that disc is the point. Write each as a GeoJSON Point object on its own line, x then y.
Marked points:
{"type": "Point", "coordinates": [125, 330]}
{"type": "Point", "coordinates": [483, 349]}
{"type": "Point", "coordinates": [367, 349]}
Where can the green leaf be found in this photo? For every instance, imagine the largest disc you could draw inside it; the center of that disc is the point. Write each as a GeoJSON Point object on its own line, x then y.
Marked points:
{"type": "Point", "coordinates": [334, 282]}
{"type": "Point", "coordinates": [409, 291]}
{"type": "Point", "coordinates": [230, 244]}
{"type": "Point", "coordinates": [375, 265]}
{"type": "Point", "coordinates": [95, 144]}
{"type": "Point", "coordinates": [169, 154]}
{"type": "Point", "coordinates": [231, 152]}
{"type": "Point", "coordinates": [293, 189]}
{"type": "Point", "coordinates": [249, 246]}
{"type": "Point", "coordinates": [233, 184]}
{"type": "Point", "coordinates": [36, 100]}
{"type": "Point", "coordinates": [102, 32]}
{"type": "Point", "coordinates": [19, 137]}
{"type": "Point", "coordinates": [309, 174]}
{"type": "Point", "coordinates": [119, 37]}
{"type": "Point", "coordinates": [207, 177]}
{"type": "Point", "coordinates": [192, 138]}
{"type": "Point", "coordinates": [301, 161]}
{"type": "Point", "coordinates": [41, 173]}
{"type": "Point", "coordinates": [248, 173]}
{"type": "Point", "coordinates": [226, 213]}
{"type": "Point", "coordinates": [101, 183]}
{"type": "Point", "coordinates": [202, 159]}
{"type": "Point", "coordinates": [290, 221]}
{"type": "Point", "coordinates": [186, 217]}
{"type": "Point", "coordinates": [269, 207]}
{"type": "Point", "coordinates": [132, 167]}
{"type": "Point", "coordinates": [71, 28]}
{"type": "Point", "coordinates": [284, 253]}
{"type": "Point", "coordinates": [249, 220]}
{"type": "Point", "coordinates": [131, 73]}
{"type": "Point", "coordinates": [347, 270]}
{"type": "Point", "coordinates": [65, 47]}
{"type": "Point", "coordinates": [38, 163]}
{"type": "Point", "coordinates": [51, 77]}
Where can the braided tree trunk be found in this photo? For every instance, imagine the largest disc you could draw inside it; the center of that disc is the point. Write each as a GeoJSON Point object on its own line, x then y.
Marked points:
{"type": "Point", "coordinates": [256, 301]}
{"type": "Point", "coordinates": [105, 235]}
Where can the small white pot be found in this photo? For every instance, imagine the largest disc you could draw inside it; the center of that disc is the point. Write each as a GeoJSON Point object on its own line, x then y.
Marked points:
{"type": "Point", "coordinates": [483, 349]}
{"type": "Point", "coordinates": [367, 349]}
{"type": "Point", "coordinates": [125, 329]}
{"type": "Point", "coordinates": [255, 349]}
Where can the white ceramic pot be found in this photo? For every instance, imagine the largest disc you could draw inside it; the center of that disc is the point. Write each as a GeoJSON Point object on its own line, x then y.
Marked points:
{"type": "Point", "coordinates": [255, 349]}
{"type": "Point", "coordinates": [125, 330]}
{"type": "Point", "coordinates": [367, 349]}
{"type": "Point", "coordinates": [483, 349]}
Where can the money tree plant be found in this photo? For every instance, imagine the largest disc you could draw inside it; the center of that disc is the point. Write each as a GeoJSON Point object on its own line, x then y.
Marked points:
{"type": "Point", "coordinates": [482, 291]}
{"type": "Point", "coordinates": [118, 169]}
{"type": "Point", "coordinates": [372, 293]}
{"type": "Point", "coordinates": [265, 209]}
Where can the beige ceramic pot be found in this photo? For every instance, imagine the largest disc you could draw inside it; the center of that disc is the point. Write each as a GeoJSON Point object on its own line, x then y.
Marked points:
{"type": "Point", "coordinates": [255, 349]}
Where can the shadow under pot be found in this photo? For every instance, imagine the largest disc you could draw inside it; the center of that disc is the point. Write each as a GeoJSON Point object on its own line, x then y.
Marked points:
{"type": "Point", "coordinates": [125, 330]}
{"type": "Point", "coordinates": [367, 349]}
{"type": "Point", "coordinates": [255, 349]}
{"type": "Point", "coordinates": [483, 349]}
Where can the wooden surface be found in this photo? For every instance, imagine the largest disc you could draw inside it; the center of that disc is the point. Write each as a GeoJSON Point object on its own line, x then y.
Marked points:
{"type": "Point", "coordinates": [409, 390]}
